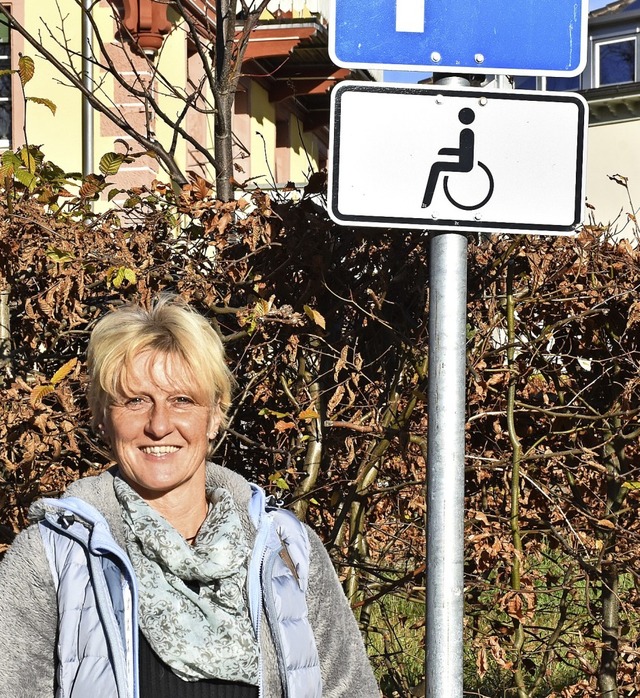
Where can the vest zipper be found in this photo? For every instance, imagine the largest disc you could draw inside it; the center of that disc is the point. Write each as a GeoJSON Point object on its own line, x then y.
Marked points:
{"type": "Point", "coordinates": [254, 591]}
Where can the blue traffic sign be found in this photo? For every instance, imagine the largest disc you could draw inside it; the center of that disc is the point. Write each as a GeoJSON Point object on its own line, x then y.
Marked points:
{"type": "Point", "coordinates": [516, 37]}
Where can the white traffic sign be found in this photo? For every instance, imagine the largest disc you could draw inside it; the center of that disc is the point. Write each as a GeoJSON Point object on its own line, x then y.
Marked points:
{"type": "Point", "coordinates": [457, 159]}
{"type": "Point", "coordinates": [534, 37]}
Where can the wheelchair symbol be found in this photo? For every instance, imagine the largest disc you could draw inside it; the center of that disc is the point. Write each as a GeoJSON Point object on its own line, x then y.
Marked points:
{"type": "Point", "coordinates": [465, 163]}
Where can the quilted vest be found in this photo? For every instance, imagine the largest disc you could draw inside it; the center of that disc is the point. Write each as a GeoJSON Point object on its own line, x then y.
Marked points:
{"type": "Point", "coordinates": [97, 600]}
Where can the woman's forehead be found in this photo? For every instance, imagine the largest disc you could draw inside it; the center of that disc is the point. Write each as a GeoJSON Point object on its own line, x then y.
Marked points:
{"type": "Point", "coordinates": [166, 371]}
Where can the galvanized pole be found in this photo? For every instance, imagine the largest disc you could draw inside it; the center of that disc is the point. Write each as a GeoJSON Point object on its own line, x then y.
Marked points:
{"type": "Point", "coordinates": [87, 82]}
{"type": "Point", "coordinates": [445, 467]}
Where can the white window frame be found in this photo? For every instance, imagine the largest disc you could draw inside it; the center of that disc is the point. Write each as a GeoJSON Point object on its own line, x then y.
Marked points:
{"type": "Point", "coordinates": [5, 53]}
{"type": "Point", "coordinates": [614, 40]}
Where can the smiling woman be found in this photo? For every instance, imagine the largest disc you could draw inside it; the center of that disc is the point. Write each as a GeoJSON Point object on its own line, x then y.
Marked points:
{"type": "Point", "coordinates": [168, 575]}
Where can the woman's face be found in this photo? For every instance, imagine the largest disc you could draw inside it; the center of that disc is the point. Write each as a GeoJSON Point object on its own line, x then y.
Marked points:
{"type": "Point", "coordinates": [158, 431]}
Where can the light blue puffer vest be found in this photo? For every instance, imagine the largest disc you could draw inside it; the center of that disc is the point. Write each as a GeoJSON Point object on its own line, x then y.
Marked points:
{"type": "Point", "coordinates": [97, 599]}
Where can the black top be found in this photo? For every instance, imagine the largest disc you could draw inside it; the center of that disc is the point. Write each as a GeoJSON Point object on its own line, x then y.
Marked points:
{"type": "Point", "coordinates": [158, 681]}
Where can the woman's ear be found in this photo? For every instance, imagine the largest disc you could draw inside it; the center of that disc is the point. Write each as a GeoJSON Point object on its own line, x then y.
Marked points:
{"type": "Point", "coordinates": [214, 422]}
{"type": "Point", "coordinates": [103, 433]}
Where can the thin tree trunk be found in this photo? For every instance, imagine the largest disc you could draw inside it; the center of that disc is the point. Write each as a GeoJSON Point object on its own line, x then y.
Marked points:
{"type": "Point", "coordinates": [5, 330]}
{"type": "Point", "coordinates": [608, 669]}
{"type": "Point", "coordinates": [609, 658]}
{"type": "Point", "coordinates": [518, 630]}
{"type": "Point", "coordinates": [224, 147]}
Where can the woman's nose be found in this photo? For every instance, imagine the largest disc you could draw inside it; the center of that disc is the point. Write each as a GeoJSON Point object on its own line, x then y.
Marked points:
{"type": "Point", "coordinates": [159, 423]}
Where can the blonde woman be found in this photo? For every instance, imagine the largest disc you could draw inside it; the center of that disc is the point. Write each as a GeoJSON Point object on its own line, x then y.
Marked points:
{"type": "Point", "coordinates": [168, 575]}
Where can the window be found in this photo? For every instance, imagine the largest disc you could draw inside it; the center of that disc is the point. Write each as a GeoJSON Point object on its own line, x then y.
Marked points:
{"type": "Point", "coordinates": [563, 84]}
{"type": "Point", "coordinates": [615, 62]}
{"type": "Point", "coordinates": [553, 84]}
{"type": "Point", "coordinates": [5, 85]}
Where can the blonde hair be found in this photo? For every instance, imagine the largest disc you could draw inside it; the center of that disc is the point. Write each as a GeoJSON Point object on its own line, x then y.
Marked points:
{"type": "Point", "coordinates": [170, 328]}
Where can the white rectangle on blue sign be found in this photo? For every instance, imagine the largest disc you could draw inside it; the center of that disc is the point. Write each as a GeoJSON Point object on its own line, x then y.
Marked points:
{"type": "Point", "coordinates": [517, 37]}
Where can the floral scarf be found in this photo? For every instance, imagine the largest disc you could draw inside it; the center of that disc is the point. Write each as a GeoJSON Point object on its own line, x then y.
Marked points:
{"type": "Point", "coordinates": [193, 609]}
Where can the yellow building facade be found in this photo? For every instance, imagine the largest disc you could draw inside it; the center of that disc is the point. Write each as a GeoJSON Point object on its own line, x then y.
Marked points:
{"type": "Point", "coordinates": [281, 113]}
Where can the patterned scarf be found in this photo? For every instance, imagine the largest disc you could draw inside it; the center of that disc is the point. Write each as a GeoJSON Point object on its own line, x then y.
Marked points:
{"type": "Point", "coordinates": [205, 634]}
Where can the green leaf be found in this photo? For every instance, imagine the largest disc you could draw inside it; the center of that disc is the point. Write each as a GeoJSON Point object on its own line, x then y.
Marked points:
{"type": "Point", "coordinates": [315, 316]}
{"type": "Point", "coordinates": [26, 69]}
{"type": "Point", "coordinates": [29, 159]}
{"type": "Point", "coordinates": [27, 178]}
{"type": "Point", "coordinates": [113, 193]}
{"type": "Point", "coordinates": [6, 171]}
{"type": "Point", "coordinates": [60, 256]}
{"type": "Point", "coordinates": [10, 158]}
{"type": "Point", "coordinates": [120, 277]}
{"type": "Point", "coordinates": [132, 202]}
{"type": "Point", "coordinates": [279, 481]}
{"type": "Point", "coordinates": [46, 102]}
{"type": "Point", "coordinates": [110, 163]}
{"type": "Point", "coordinates": [265, 411]}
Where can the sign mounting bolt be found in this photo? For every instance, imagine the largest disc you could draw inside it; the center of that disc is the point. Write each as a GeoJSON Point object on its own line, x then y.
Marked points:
{"type": "Point", "coordinates": [479, 58]}
{"type": "Point", "coordinates": [483, 101]}
{"type": "Point", "coordinates": [436, 57]}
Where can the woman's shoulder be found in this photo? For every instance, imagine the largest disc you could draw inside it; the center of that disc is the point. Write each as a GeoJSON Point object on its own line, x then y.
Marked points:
{"type": "Point", "coordinates": [237, 485]}
{"type": "Point", "coordinates": [25, 560]}
{"type": "Point", "coordinates": [98, 492]}
{"type": "Point", "coordinates": [93, 489]}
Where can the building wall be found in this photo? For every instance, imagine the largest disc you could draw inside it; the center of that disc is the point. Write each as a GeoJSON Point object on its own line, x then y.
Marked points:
{"type": "Point", "coordinates": [613, 149]}
{"type": "Point", "coordinates": [263, 137]}
{"type": "Point", "coordinates": [61, 134]}
{"type": "Point", "coordinates": [301, 8]}
{"type": "Point", "coordinates": [303, 152]}
{"type": "Point", "coordinates": [173, 64]}
{"type": "Point", "coordinates": [280, 150]}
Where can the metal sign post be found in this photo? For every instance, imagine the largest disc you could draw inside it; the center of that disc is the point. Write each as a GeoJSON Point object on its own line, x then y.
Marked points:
{"type": "Point", "coordinates": [444, 610]}
{"type": "Point", "coordinates": [445, 471]}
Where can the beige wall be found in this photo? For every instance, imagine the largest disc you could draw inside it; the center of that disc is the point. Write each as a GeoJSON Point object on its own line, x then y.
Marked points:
{"type": "Point", "coordinates": [301, 151]}
{"type": "Point", "coordinates": [301, 8]}
{"type": "Point", "coordinates": [613, 148]}
{"type": "Point", "coordinates": [61, 134]}
{"type": "Point", "coordinates": [263, 131]}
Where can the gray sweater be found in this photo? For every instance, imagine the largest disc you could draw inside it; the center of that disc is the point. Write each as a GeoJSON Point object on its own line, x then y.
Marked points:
{"type": "Point", "coordinates": [28, 608]}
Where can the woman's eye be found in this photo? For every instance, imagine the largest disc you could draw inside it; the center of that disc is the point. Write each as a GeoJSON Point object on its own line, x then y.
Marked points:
{"type": "Point", "coordinates": [135, 402]}
{"type": "Point", "coordinates": [182, 400]}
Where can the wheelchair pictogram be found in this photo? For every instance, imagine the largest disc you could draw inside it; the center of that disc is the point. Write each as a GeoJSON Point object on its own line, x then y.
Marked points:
{"type": "Point", "coordinates": [465, 163]}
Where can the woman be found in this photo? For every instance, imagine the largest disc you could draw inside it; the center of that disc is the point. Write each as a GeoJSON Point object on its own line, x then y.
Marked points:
{"type": "Point", "coordinates": [168, 575]}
